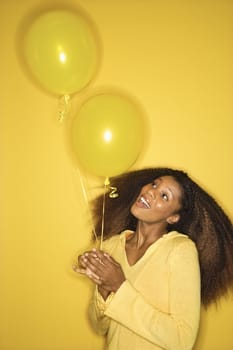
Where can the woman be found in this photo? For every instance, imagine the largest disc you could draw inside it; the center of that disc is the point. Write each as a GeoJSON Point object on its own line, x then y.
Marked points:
{"type": "Point", "coordinates": [168, 248]}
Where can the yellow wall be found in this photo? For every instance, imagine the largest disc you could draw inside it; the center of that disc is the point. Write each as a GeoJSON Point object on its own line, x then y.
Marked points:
{"type": "Point", "coordinates": [176, 58]}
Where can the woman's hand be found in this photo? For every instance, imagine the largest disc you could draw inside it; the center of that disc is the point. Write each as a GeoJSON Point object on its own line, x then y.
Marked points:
{"type": "Point", "coordinates": [102, 269]}
{"type": "Point", "coordinates": [82, 268]}
{"type": "Point", "coordinates": [109, 272]}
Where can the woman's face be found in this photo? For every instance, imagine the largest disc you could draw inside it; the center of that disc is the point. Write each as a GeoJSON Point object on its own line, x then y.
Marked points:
{"type": "Point", "coordinates": [159, 201]}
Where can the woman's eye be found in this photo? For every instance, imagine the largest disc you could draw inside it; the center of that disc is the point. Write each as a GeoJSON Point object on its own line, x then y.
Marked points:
{"type": "Point", "coordinates": [154, 185]}
{"type": "Point", "coordinates": [165, 196]}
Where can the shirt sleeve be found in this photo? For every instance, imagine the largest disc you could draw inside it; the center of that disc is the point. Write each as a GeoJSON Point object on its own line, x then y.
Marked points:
{"type": "Point", "coordinates": [99, 321]}
{"type": "Point", "coordinates": [173, 330]}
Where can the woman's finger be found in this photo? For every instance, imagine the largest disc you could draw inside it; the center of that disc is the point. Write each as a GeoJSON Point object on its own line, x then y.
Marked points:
{"type": "Point", "coordinates": [77, 269]}
{"type": "Point", "coordinates": [95, 278]}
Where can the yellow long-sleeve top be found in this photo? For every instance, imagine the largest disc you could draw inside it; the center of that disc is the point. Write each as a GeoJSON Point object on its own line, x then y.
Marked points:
{"type": "Point", "coordinates": [158, 306]}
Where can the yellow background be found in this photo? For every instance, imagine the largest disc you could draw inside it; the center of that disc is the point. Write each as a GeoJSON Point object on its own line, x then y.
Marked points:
{"type": "Point", "coordinates": [175, 57]}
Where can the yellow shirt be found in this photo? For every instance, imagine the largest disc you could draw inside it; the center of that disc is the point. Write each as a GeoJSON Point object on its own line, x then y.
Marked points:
{"type": "Point", "coordinates": [158, 306]}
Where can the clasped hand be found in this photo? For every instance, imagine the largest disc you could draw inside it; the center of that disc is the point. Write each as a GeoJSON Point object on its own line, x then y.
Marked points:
{"type": "Point", "coordinates": [102, 269]}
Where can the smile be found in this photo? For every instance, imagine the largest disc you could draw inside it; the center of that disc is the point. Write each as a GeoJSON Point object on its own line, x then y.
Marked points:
{"type": "Point", "coordinates": [144, 202]}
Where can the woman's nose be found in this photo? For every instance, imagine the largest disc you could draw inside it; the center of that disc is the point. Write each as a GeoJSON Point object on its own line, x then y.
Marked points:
{"type": "Point", "coordinates": [152, 194]}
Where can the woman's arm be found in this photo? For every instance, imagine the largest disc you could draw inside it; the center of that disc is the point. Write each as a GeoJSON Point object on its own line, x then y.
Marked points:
{"type": "Point", "coordinates": [86, 265]}
{"type": "Point", "coordinates": [99, 321]}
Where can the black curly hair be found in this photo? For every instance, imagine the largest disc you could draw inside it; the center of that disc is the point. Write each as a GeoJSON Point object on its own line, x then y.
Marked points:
{"type": "Point", "coordinates": [201, 218]}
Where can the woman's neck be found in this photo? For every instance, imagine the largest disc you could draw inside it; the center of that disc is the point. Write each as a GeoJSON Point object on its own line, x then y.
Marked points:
{"type": "Point", "coordinates": [147, 234]}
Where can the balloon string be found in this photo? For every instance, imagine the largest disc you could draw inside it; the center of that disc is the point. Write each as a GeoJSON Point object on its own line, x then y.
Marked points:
{"type": "Point", "coordinates": [63, 107]}
{"type": "Point", "coordinates": [87, 203]}
{"type": "Point", "coordinates": [106, 184]}
{"type": "Point", "coordinates": [113, 194]}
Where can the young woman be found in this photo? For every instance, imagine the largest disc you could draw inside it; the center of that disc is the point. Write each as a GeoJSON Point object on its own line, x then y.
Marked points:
{"type": "Point", "coordinates": [168, 248]}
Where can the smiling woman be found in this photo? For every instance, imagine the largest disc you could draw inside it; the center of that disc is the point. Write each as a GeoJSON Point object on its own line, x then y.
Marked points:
{"type": "Point", "coordinates": [162, 198]}
{"type": "Point", "coordinates": [174, 252]}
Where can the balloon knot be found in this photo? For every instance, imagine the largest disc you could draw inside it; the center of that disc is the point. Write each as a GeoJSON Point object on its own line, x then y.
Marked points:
{"type": "Point", "coordinates": [64, 107]}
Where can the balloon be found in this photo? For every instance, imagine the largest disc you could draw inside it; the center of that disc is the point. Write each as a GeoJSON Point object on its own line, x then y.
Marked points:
{"type": "Point", "coordinates": [107, 134]}
{"type": "Point", "coordinates": [60, 51]}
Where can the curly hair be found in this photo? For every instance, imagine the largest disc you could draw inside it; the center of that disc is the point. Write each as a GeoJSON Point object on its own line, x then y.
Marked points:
{"type": "Point", "coordinates": [201, 219]}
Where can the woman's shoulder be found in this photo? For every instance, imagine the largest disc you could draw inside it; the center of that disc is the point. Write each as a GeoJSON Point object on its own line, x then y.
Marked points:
{"type": "Point", "coordinates": [177, 238]}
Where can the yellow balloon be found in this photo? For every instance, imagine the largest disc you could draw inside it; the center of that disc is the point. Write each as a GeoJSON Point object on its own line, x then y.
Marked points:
{"type": "Point", "coordinates": [107, 134]}
{"type": "Point", "coordinates": [61, 51]}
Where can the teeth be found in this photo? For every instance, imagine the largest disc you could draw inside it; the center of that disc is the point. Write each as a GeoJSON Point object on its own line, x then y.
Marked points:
{"type": "Point", "coordinates": [145, 202]}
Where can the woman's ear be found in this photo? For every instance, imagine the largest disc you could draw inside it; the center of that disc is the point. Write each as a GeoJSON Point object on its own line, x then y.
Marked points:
{"type": "Point", "coordinates": [173, 219]}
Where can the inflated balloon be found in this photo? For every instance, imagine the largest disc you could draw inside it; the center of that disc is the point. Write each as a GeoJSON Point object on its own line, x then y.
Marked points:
{"type": "Point", "coordinates": [107, 134]}
{"type": "Point", "coordinates": [61, 51]}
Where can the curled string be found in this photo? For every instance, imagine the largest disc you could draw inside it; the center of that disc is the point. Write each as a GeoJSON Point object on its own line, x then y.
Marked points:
{"type": "Point", "coordinates": [63, 107]}
{"type": "Point", "coordinates": [112, 194]}
{"type": "Point", "coordinates": [112, 190]}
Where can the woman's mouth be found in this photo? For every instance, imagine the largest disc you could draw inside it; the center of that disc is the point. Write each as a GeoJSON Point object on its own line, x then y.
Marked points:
{"type": "Point", "coordinates": [144, 202]}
